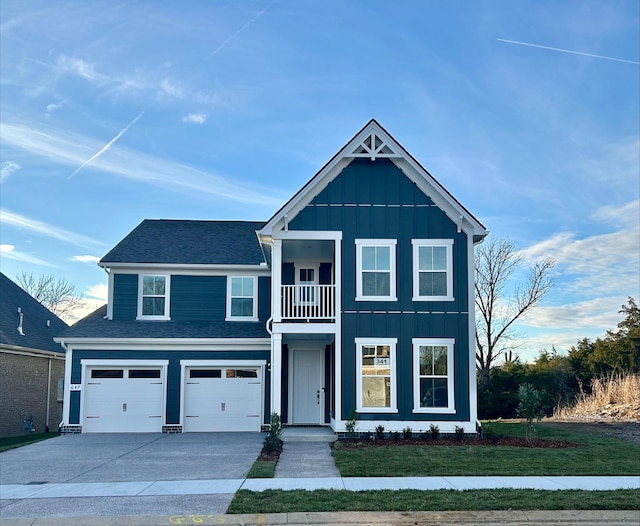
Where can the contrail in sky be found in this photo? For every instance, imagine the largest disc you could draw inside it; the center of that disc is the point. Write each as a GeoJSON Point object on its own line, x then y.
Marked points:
{"type": "Point", "coordinates": [106, 146]}
{"type": "Point", "coordinates": [234, 35]}
{"type": "Point", "coordinates": [568, 51]}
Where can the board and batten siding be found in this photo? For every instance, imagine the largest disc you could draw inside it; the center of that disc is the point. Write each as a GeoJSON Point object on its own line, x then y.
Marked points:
{"type": "Point", "coordinates": [192, 298]}
{"type": "Point", "coordinates": [374, 199]}
{"type": "Point", "coordinates": [173, 373]}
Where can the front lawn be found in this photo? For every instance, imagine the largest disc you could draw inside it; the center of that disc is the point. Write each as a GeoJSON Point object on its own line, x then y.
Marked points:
{"type": "Point", "coordinates": [595, 456]}
{"type": "Point", "coordinates": [278, 501]}
{"type": "Point", "coordinates": [23, 440]}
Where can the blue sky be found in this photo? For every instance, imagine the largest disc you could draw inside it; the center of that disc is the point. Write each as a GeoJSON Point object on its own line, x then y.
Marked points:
{"type": "Point", "coordinates": [526, 111]}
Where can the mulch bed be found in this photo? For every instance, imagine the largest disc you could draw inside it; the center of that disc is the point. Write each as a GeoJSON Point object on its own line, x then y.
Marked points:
{"type": "Point", "coordinates": [352, 443]}
{"type": "Point", "coordinates": [269, 457]}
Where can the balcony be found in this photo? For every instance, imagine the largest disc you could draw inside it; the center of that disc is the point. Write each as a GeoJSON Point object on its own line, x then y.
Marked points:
{"type": "Point", "coordinates": [308, 303]}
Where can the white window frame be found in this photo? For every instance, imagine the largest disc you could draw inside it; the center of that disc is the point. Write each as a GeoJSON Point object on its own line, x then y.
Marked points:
{"type": "Point", "coordinates": [448, 245]}
{"type": "Point", "coordinates": [389, 243]}
{"type": "Point", "coordinates": [254, 315]}
{"type": "Point", "coordinates": [392, 343]}
{"type": "Point", "coordinates": [431, 342]}
{"type": "Point", "coordinates": [167, 290]}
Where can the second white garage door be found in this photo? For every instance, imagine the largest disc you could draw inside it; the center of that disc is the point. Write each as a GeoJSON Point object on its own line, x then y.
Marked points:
{"type": "Point", "coordinates": [222, 399]}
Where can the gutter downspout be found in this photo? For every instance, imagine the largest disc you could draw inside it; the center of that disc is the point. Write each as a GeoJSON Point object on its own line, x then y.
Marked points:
{"type": "Point", "coordinates": [46, 423]}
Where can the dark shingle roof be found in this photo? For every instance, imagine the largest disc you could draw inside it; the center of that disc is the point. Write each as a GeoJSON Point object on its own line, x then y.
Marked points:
{"type": "Point", "coordinates": [96, 326]}
{"type": "Point", "coordinates": [34, 319]}
{"type": "Point", "coordinates": [190, 242]}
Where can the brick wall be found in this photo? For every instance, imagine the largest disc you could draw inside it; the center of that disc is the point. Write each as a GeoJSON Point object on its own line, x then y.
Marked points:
{"type": "Point", "coordinates": [23, 392]}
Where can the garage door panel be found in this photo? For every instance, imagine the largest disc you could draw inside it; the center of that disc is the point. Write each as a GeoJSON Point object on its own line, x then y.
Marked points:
{"type": "Point", "coordinates": [229, 401]}
{"type": "Point", "coordinates": [130, 400]}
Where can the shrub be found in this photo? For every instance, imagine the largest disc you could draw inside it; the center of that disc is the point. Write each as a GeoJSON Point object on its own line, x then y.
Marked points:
{"type": "Point", "coordinates": [489, 432]}
{"type": "Point", "coordinates": [380, 432]}
{"type": "Point", "coordinates": [434, 432]}
{"type": "Point", "coordinates": [459, 434]}
{"type": "Point", "coordinates": [395, 435]}
{"type": "Point", "coordinates": [529, 406]}
{"type": "Point", "coordinates": [352, 424]}
{"type": "Point", "coordinates": [407, 433]}
{"type": "Point", "coordinates": [273, 440]}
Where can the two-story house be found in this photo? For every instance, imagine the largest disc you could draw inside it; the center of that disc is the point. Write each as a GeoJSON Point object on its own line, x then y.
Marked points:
{"type": "Point", "coordinates": [355, 298]}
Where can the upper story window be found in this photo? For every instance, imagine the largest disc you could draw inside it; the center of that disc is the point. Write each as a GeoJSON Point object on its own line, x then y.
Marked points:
{"type": "Point", "coordinates": [433, 375]}
{"type": "Point", "coordinates": [153, 297]}
{"type": "Point", "coordinates": [242, 300]}
{"type": "Point", "coordinates": [432, 269]}
{"type": "Point", "coordinates": [376, 269]}
{"type": "Point", "coordinates": [376, 375]}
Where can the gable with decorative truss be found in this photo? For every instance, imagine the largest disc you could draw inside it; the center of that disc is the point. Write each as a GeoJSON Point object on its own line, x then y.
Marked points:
{"type": "Point", "coordinates": [373, 146]}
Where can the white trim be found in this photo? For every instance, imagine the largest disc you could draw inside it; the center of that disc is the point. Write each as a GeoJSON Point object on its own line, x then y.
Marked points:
{"type": "Point", "coordinates": [66, 396]}
{"type": "Point", "coordinates": [304, 328]}
{"type": "Point", "coordinates": [254, 316]}
{"type": "Point", "coordinates": [35, 353]}
{"type": "Point", "coordinates": [315, 235]}
{"type": "Point", "coordinates": [183, 269]}
{"type": "Point", "coordinates": [448, 245]}
{"type": "Point", "coordinates": [167, 297]}
{"type": "Point", "coordinates": [170, 344]}
{"type": "Point", "coordinates": [471, 323]}
{"type": "Point", "coordinates": [449, 343]}
{"type": "Point", "coordinates": [393, 402]}
{"type": "Point", "coordinates": [391, 244]}
{"type": "Point", "coordinates": [110, 288]}
{"type": "Point", "coordinates": [276, 374]}
{"type": "Point", "coordinates": [337, 342]}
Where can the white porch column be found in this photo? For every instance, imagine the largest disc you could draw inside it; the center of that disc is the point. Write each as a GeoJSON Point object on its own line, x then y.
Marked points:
{"type": "Point", "coordinates": [276, 281]}
{"type": "Point", "coordinates": [276, 373]}
{"type": "Point", "coordinates": [337, 255]}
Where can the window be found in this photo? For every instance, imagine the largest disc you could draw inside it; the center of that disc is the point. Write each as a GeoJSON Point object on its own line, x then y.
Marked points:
{"type": "Point", "coordinates": [241, 298]}
{"type": "Point", "coordinates": [376, 269]}
{"type": "Point", "coordinates": [144, 373]}
{"type": "Point", "coordinates": [107, 373]}
{"type": "Point", "coordinates": [154, 297]}
{"type": "Point", "coordinates": [433, 375]}
{"type": "Point", "coordinates": [376, 380]}
{"type": "Point", "coordinates": [432, 269]}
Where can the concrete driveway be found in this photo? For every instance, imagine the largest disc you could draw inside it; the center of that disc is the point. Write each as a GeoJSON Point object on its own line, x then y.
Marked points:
{"type": "Point", "coordinates": [96, 458]}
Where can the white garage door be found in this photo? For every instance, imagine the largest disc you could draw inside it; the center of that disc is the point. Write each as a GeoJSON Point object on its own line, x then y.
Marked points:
{"type": "Point", "coordinates": [123, 400]}
{"type": "Point", "coordinates": [222, 399]}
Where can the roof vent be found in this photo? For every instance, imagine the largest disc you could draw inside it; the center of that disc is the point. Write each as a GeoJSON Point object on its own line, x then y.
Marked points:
{"type": "Point", "coordinates": [21, 321]}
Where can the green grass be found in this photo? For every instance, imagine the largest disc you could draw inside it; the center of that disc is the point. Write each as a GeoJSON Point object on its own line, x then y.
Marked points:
{"type": "Point", "coordinates": [278, 501]}
{"type": "Point", "coordinates": [597, 456]}
{"type": "Point", "coordinates": [14, 442]}
{"type": "Point", "coordinates": [262, 469]}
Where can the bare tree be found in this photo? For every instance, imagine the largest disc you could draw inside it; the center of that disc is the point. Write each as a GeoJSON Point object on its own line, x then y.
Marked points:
{"type": "Point", "coordinates": [56, 294]}
{"type": "Point", "coordinates": [499, 303]}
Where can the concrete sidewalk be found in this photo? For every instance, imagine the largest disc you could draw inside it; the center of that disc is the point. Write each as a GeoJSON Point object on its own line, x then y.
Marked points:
{"type": "Point", "coordinates": [229, 486]}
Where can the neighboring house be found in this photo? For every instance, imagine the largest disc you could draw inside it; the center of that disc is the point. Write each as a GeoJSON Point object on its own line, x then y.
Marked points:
{"type": "Point", "coordinates": [31, 363]}
{"type": "Point", "coordinates": [356, 297]}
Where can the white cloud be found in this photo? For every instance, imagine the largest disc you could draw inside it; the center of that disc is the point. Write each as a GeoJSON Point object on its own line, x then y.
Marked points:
{"type": "Point", "coordinates": [73, 150]}
{"type": "Point", "coordinates": [98, 292]}
{"type": "Point", "coordinates": [85, 259]}
{"type": "Point", "coordinates": [195, 118]}
{"type": "Point", "coordinates": [7, 168]}
{"type": "Point", "coordinates": [51, 108]}
{"type": "Point", "coordinates": [22, 222]}
{"type": "Point", "coordinates": [80, 68]}
{"type": "Point", "coordinates": [10, 252]}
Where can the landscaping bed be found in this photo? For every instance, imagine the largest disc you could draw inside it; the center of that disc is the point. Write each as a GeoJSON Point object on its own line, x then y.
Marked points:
{"type": "Point", "coordinates": [500, 442]}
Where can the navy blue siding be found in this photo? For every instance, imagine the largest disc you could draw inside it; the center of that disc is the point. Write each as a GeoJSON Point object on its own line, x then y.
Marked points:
{"type": "Point", "coordinates": [193, 298]}
{"type": "Point", "coordinates": [379, 201]}
{"type": "Point", "coordinates": [173, 373]}
{"type": "Point", "coordinates": [125, 296]}
{"type": "Point", "coordinates": [198, 297]}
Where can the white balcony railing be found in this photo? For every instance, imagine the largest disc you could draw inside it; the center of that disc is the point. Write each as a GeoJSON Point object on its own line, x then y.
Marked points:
{"type": "Point", "coordinates": [308, 302]}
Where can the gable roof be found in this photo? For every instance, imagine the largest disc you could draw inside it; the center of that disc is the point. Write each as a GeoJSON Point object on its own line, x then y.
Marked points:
{"type": "Point", "coordinates": [36, 333]}
{"type": "Point", "coordinates": [183, 242]}
{"type": "Point", "coordinates": [373, 142]}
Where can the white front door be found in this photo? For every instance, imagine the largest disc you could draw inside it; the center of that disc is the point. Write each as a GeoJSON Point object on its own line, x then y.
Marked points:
{"type": "Point", "coordinates": [307, 393]}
